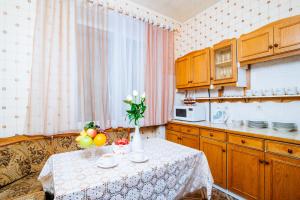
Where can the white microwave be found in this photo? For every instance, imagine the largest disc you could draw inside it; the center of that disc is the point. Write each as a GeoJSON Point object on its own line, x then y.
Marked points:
{"type": "Point", "coordinates": [190, 113]}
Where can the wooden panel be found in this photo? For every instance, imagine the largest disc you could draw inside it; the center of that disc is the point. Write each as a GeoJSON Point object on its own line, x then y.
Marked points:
{"type": "Point", "coordinates": [174, 127]}
{"type": "Point", "coordinates": [200, 68]}
{"type": "Point", "coordinates": [250, 142]}
{"type": "Point", "coordinates": [190, 140]}
{"type": "Point", "coordinates": [246, 172]}
{"type": "Point", "coordinates": [215, 152]}
{"type": "Point", "coordinates": [287, 35]}
{"type": "Point", "coordinates": [217, 135]}
{"type": "Point", "coordinates": [283, 149]}
{"type": "Point", "coordinates": [226, 43]}
{"type": "Point", "coordinates": [282, 175]}
{"type": "Point", "coordinates": [182, 72]}
{"type": "Point", "coordinates": [190, 130]}
{"type": "Point", "coordinates": [256, 44]}
{"type": "Point", "coordinates": [173, 136]}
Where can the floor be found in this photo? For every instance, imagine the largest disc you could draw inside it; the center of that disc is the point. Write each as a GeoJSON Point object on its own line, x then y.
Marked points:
{"type": "Point", "coordinates": [201, 195]}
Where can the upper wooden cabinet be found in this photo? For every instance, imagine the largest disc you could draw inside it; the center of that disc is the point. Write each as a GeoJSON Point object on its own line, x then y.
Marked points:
{"type": "Point", "coordinates": [193, 70]}
{"type": "Point", "coordinates": [287, 35]}
{"type": "Point", "coordinates": [276, 40]}
{"type": "Point", "coordinates": [256, 44]}
{"type": "Point", "coordinates": [182, 72]}
{"type": "Point", "coordinates": [223, 62]}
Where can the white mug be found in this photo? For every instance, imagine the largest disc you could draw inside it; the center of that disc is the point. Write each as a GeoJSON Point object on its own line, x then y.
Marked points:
{"type": "Point", "coordinates": [138, 156]}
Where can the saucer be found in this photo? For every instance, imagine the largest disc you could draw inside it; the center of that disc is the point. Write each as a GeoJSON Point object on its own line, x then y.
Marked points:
{"type": "Point", "coordinates": [137, 160]}
{"type": "Point", "coordinates": [104, 165]}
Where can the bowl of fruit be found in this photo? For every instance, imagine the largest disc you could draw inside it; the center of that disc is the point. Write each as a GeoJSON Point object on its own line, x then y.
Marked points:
{"type": "Point", "coordinates": [121, 146]}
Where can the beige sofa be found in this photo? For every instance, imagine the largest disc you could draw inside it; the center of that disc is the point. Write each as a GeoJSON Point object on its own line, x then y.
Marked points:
{"type": "Point", "coordinates": [23, 157]}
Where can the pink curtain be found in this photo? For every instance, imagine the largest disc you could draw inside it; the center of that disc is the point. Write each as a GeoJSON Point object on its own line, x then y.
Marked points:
{"type": "Point", "coordinates": [159, 75]}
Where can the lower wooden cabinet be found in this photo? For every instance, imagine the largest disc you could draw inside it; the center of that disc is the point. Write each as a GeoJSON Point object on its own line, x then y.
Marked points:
{"type": "Point", "coordinates": [173, 136]}
{"type": "Point", "coordinates": [246, 171]}
{"type": "Point", "coordinates": [189, 140]}
{"type": "Point", "coordinates": [215, 152]}
{"type": "Point", "coordinates": [252, 167]}
{"type": "Point", "coordinates": [282, 176]}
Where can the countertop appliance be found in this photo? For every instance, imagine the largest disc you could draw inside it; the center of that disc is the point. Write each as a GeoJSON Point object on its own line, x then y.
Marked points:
{"type": "Point", "coordinates": [190, 113]}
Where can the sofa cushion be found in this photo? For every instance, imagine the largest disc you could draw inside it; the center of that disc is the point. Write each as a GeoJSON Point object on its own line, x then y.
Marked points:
{"type": "Point", "coordinates": [14, 163]}
{"type": "Point", "coordinates": [114, 134]}
{"type": "Point", "coordinates": [39, 152]}
{"type": "Point", "coordinates": [64, 143]}
{"type": "Point", "coordinates": [27, 187]}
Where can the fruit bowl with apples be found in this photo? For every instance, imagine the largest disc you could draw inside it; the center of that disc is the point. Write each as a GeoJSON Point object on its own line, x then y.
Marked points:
{"type": "Point", "coordinates": [121, 146]}
{"type": "Point", "coordinates": [91, 136]}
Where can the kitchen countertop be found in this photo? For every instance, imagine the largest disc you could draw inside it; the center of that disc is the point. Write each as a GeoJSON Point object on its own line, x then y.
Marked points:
{"type": "Point", "coordinates": [266, 133]}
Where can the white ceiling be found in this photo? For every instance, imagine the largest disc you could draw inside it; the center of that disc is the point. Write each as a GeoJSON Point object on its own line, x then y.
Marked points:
{"type": "Point", "coordinates": [180, 10]}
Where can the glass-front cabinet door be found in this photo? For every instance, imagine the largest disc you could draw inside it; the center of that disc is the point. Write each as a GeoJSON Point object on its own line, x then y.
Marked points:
{"type": "Point", "coordinates": [224, 63]}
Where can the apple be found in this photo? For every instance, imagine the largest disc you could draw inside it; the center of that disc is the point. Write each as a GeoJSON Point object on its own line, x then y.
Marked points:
{"type": "Point", "coordinates": [122, 141]}
{"type": "Point", "coordinates": [91, 132]}
{"type": "Point", "coordinates": [83, 133]}
{"type": "Point", "coordinates": [85, 141]}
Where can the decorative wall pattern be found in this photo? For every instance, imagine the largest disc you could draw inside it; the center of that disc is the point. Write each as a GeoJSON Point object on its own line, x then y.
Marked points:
{"type": "Point", "coordinates": [16, 37]}
{"type": "Point", "coordinates": [230, 18]}
{"type": "Point", "coordinates": [140, 12]}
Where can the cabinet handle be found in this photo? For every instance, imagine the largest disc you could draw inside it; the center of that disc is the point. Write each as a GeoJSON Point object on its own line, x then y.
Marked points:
{"type": "Point", "coordinates": [276, 45]}
{"type": "Point", "coordinates": [211, 135]}
{"type": "Point", "coordinates": [223, 150]}
{"type": "Point", "coordinates": [261, 161]}
{"type": "Point", "coordinates": [267, 162]}
{"type": "Point", "coordinates": [290, 151]}
{"type": "Point", "coordinates": [270, 46]}
{"type": "Point", "coordinates": [243, 141]}
{"type": "Point", "coordinates": [188, 130]}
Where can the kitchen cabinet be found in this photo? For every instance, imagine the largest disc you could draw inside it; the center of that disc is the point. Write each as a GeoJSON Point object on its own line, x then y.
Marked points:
{"type": "Point", "coordinates": [246, 171]}
{"type": "Point", "coordinates": [256, 44]}
{"type": "Point", "coordinates": [182, 72]}
{"type": "Point", "coordinates": [224, 67]}
{"type": "Point", "coordinates": [254, 167]}
{"type": "Point", "coordinates": [276, 40]}
{"type": "Point", "coordinates": [282, 175]}
{"type": "Point", "coordinates": [287, 35]}
{"type": "Point", "coordinates": [282, 171]}
{"type": "Point", "coordinates": [193, 70]}
{"type": "Point", "coordinates": [184, 135]}
{"type": "Point", "coordinates": [173, 136]}
{"type": "Point", "coordinates": [215, 152]}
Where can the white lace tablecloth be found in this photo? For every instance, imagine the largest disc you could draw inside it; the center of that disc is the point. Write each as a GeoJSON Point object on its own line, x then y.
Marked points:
{"type": "Point", "coordinates": [172, 171]}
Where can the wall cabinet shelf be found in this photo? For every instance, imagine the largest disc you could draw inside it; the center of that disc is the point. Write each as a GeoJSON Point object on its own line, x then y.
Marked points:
{"type": "Point", "coordinates": [246, 99]}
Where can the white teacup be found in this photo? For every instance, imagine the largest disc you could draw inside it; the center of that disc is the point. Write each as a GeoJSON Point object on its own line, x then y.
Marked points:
{"type": "Point", "coordinates": [138, 156]}
{"type": "Point", "coordinates": [107, 160]}
{"type": "Point", "coordinates": [268, 92]}
{"type": "Point", "coordinates": [291, 90]}
{"type": "Point", "coordinates": [279, 91]}
{"type": "Point", "coordinates": [249, 93]}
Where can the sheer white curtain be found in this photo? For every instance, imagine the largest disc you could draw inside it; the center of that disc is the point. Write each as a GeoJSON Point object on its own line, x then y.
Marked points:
{"type": "Point", "coordinates": [52, 105]}
{"type": "Point", "coordinates": [126, 66]}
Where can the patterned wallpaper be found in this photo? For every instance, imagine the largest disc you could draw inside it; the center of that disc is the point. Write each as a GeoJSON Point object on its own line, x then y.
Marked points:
{"type": "Point", "coordinates": [230, 18]}
{"type": "Point", "coordinates": [16, 37]}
